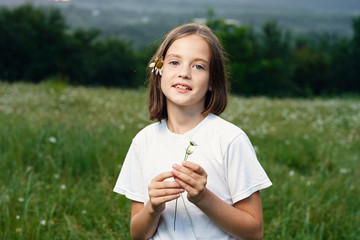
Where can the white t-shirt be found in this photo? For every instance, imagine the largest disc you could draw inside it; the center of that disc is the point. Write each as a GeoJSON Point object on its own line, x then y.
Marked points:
{"type": "Point", "coordinates": [223, 150]}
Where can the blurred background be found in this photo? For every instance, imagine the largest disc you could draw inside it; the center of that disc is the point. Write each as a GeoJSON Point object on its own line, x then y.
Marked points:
{"type": "Point", "coordinates": [72, 97]}
{"type": "Point", "coordinates": [278, 48]}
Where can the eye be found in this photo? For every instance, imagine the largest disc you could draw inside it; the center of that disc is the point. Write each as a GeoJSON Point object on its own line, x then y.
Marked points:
{"type": "Point", "coordinates": [199, 67]}
{"type": "Point", "coordinates": [174, 63]}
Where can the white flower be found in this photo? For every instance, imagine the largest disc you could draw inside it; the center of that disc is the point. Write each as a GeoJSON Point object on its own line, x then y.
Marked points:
{"type": "Point", "coordinates": [63, 186]}
{"type": "Point", "coordinates": [291, 173]}
{"type": "Point", "coordinates": [43, 222]}
{"type": "Point", "coordinates": [192, 143]}
{"type": "Point", "coordinates": [56, 175]}
{"type": "Point", "coordinates": [20, 199]}
{"type": "Point", "coordinates": [157, 66]}
{"type": "Point", "coordinates": [52, 139]}
{"type": "Point", "coordinates": [17, 217]}
{"type": "Point", "coordinates": [84, 211]}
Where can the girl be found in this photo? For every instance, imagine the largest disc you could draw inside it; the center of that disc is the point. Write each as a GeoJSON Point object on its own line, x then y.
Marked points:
{"type": "Point", "coordinates": [221, 179]}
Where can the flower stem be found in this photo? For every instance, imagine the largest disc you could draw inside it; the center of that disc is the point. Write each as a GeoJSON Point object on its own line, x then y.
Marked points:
{"type": "Point", "coordinates": [189, 217]}
{"type": "Point", "coordinates": [176, 201]}
{"type": "Point", "coordinates": [175, 212]}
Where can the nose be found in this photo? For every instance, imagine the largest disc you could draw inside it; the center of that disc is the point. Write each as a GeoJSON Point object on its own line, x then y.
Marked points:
{"type": "Point", "coordinates": [185, 72]}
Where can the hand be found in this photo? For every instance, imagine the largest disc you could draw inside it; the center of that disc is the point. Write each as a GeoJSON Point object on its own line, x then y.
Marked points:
{"type": "Point", "coordinates": [191, 177]}
{"type": "Point", "coordinates": [161, 191]}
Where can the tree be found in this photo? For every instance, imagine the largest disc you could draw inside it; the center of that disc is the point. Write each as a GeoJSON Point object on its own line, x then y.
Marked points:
{"type": "Point", "coordinates": [30, 41]}
{"type": "Point", "coordinates": [35, 45]}
{"type": "Point", "coordinates": [354, 83]}
{"type": "Point", "coordinates": [116, 64]}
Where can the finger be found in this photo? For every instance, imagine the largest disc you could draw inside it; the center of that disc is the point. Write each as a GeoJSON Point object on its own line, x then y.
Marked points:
{"type": "Point", "coordinates": [156, 193]}
{"type": "Point", "coordinates": [194, 167]}
{"type": "Point", "coordinates": [183, 184]}
{"type": "Point", "coordinates": [162, 176]}
{"type": "Point", "coordinates": [191, 171]}
{"type": "Point", "coordinates": [164, 185]}
{"type": "Point", "coordinates": [185, 178]}
{"type": "Point", "coordinates": [192, 192]}
{"type": "Point", "coordinates": [191, 181]}
{"type": "Point", "coordinates": [158, 203]}
{"type": "Point", "coordinates": [160, 200]}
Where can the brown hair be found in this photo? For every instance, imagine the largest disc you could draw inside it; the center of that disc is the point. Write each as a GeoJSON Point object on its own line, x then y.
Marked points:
{"type": "Point", "coordinates": [216, 98]}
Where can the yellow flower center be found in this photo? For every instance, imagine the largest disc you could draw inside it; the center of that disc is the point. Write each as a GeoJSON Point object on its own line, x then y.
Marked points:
{"type": "Point", "coordinates": [159, 64]}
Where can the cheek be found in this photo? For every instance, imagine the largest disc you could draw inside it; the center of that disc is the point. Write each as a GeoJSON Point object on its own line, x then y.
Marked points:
{"type": "Point", "coordinates": [205, 81]}
{"type": "Point", "coordinates": [166, 69]}
{"type": "Point", "coordinates": [164, 87]}
{"type": "Point", "coordinates": [161, 83]}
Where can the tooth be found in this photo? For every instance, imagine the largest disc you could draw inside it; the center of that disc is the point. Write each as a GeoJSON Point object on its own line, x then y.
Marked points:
{"type": "Point", "coordinates": [181, 87]}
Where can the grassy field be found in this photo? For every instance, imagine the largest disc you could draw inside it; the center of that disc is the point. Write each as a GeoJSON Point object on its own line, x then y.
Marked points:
{"type": "Point", "coordinates": [61, 150]}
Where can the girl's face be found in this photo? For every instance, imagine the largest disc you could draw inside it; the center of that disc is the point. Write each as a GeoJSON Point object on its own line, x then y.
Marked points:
{"type": "Point", "coordinates": [186, 73]}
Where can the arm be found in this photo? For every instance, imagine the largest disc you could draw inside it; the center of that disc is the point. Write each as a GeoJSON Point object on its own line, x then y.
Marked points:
{"type": "Point", "coordinates": [145, 218]}
{"type": "Point", "coordinates": [243, 220]}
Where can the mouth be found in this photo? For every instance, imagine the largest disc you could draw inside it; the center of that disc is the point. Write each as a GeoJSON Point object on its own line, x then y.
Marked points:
{"type": "Point", "coordinates": [183, 87]}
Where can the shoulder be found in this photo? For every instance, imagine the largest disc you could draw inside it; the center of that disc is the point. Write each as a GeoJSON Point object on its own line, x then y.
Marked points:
{"type": "Point", "coordinates": [149, 132]}
{"type": "Point", "coordinates": [219, 134]}
{"type": "Point", "coordinates": [223, 128]}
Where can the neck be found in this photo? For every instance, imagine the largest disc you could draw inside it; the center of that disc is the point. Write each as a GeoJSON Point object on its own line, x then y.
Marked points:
{"type": "Point", "coordinates": [181, 122]}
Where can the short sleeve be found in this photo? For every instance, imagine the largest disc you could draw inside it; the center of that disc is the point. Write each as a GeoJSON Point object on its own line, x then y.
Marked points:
{"type": "Point", "coordinates": [129, 182]}
{"type": "Point", "coordinates": [245, 175]}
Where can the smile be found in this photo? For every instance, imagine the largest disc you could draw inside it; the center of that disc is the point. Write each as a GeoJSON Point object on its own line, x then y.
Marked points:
{"type": "Point", "coordinates": [182, 87]}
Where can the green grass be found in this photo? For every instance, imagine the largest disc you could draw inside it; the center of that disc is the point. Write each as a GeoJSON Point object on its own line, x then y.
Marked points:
{"type": "Point", "coordinates": [61, 150]}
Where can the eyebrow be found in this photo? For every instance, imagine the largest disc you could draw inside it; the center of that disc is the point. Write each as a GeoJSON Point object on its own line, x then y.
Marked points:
{"type": "Point", "coordinates": [196, 59]}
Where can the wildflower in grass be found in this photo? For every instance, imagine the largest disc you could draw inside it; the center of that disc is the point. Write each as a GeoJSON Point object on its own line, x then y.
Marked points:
{"type": "Point", "coordinates": [56, 176]}
{"type": "Point", "coordinates": [18, 229]}
{"type": "Point", "coordinates": [17, 217]}
{"type": "Point", "coordinates": [20, 199]}
{"type": "Point", "coordinates": [84, 211]}
{"type": "Point", "coordinates": [344, 170]}
{"type": "Point", "coordinates": [52, 140]}
{"type": "Point", "coordinates": [291, 173]}
{"type": "Point", "coordinates": [188, 152]}
{"type": "Point", "coordinates": [43, 222]}
{"type": "Point", "coordinates": [63, 186]}
{"type": "Point", "coordinates": [63, 98]}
